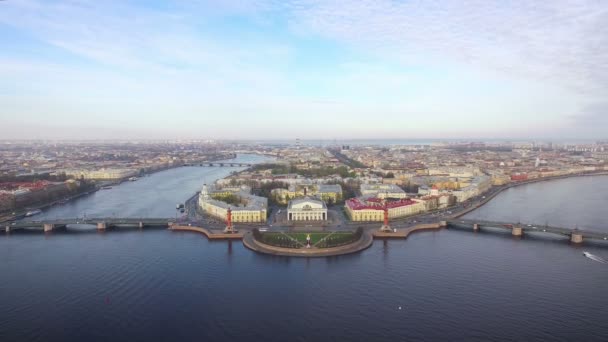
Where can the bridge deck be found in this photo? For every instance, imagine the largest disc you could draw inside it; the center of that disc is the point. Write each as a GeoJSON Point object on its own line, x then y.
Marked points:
{"type": "Point", "coordinates": [92, 220]}
{"type": "Point", "coordinates": [533, 228]}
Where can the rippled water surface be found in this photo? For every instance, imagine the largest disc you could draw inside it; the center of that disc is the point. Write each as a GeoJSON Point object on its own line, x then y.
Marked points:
{"type": "Point", "coordinates": [450, 285]}
{"type": "Point", "coordinates": [570, 202]}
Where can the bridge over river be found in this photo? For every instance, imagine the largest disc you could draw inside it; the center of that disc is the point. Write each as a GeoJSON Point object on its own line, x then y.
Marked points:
{"type": "Point", "coordinates": [101, 223]}
{"type": "Point", "coordinates": [517, 229]}
{"type": "Point", "coordinates": [219, 164]}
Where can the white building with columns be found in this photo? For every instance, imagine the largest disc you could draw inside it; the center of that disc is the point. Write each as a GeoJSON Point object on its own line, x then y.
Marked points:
{"type": "Point", "coordinates": [306, 209]}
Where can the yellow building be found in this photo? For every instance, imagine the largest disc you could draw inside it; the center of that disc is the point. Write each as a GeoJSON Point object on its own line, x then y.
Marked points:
{"type": "Point", "coordinates": [372, 209]}
{"type": "Point", "coordinates": [103, 174]}
{"type": "Point", "coordinates": [252, 208]}
{"type": "Point", "coordinates": [219, 210]}
{"type": "Point", "coordinates": [326, 192]}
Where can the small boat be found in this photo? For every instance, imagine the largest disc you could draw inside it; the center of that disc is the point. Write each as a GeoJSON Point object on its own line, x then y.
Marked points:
{"type": "Point", "coordinates": [106, 187]}
{"type": "Point", "coordinates": [595, 258]}
{"type": "Point", "coordinates": [33, 212]}
{"type": "Point", "coordinates": [133, 179]}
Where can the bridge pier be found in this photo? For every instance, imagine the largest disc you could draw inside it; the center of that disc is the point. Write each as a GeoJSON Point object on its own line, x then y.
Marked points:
{"type": "Point", "coordinates": [101, 226]}
{"type": "Point", "coordinates": [7, 229]}
{"type": "Point", "coordinates": [576, 237]}
{"type": "Point", "coordinates": [48, 227]}
{"type": "Point", "coordinates": [475, 227]}
{"type": "Point", "coordinates": [141, 225]}
{"type": "Point", "coordinates": [517, 231]}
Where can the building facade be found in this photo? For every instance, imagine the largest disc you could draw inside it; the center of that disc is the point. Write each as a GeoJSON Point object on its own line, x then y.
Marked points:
{"type": "Point", "coordinates": [326, 192]}
{"type": "Point", "coordinates": [250, 208]}
{"type": "Point", "coordinates": [382, 191]}
{"type": "Point", "coordinates": [103, 174]}
{"type": "Point", "coordinates": [306, 209]}
{"type": "Point", "coordinates": [372, 209]}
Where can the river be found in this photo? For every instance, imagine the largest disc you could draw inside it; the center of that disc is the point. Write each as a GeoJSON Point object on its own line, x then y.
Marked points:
{"type": "Point", "coordinates": [151, 196]}
{"type": "Point", "coordinates": [156, 285]}
{"type": "Point", "coordinates": [570, 202]}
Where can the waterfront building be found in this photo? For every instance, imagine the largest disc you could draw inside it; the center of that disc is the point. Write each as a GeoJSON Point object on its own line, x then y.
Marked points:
{"type": "Point", "coordinates": [372, 208]}
{"type": "Point", "coordinates": [499, 177]}
{"type": "Point", "coordinates": [461, 188]}
{"type": "Point", "coordinates": [250, 208]}
{"type": "Point", "coordinates": [102, 174]}
{"type": "Point", "coordinates": [477, 186]}
{"type": "Point", "coordinates": [382, 191]}
{"type": "Point", "coordinates": [438, 201]}
{"type": "Point", "coordinates": [306, 209]}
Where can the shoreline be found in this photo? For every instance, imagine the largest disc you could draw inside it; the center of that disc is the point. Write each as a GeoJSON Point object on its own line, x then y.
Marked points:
{"type": "Point", "coordinates": [209, 234]}
{"type": "Point", "coordinates": [8, 216]}
{"type": "Point", "coordinates": [370, 234]}
{"type": "Point", "coordinates": [514, 185]}
{"type": "Point", "coordinates": [363, 243]}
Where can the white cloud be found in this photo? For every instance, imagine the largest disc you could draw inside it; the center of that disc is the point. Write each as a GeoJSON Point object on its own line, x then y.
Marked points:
{"type": "Point", "coordinates": [163, 60]}
{"type": "Point", "coordinates": [143, 42]}
{"type": "Point", "coordinates": [563, 42]}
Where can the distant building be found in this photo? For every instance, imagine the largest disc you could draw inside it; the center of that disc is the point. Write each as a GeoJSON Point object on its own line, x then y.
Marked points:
{"type": "Point", "coordinates": [455, 171]}
{"type": "Point", "coordinates": [382, 191]}
{"type": "Point", "coordinates": [102, 174]}
{"type": "Point", "coordinates": [325, 192]}
{"type": "Point", "coordinates": [306, 209]}
{"type": "Point", "coordinates": [477, 186]}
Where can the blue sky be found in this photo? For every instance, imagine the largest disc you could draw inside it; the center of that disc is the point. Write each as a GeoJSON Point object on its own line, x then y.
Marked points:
{"type": "Point", "coordinates": [304, 68]}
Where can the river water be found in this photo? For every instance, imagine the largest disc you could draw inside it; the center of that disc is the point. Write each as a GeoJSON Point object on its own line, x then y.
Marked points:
{"type": "Point", "coordinates": [151, 196]}
{"type": "Point", "coordinates": [570, 202]}
{"type": "Point", "coordinates": [447, 285]}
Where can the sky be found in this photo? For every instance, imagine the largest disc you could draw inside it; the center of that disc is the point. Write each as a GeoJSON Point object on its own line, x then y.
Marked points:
{"type": "Point", "coordinates": [308, 69]}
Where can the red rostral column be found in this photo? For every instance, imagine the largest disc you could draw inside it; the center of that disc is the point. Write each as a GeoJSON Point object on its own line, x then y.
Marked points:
{"type": "Point", "coordinates": [385, 227]}
{"type": "Point", "coordinates": [229, 228]}
{"type": "Point", "coordinates": [385, 215]}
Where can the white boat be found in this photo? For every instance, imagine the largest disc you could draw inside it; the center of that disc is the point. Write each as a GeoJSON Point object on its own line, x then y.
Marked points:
{"type": "Point", "coordinates": [595, 258]}
{"type": "Point", "coordinates": [133, 179]}
{"type": "Point", "coordinates": [33, 212]}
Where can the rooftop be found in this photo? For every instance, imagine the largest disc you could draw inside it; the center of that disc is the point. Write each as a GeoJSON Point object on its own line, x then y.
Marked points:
{"type": "Point", "coordinates": [377, 203]}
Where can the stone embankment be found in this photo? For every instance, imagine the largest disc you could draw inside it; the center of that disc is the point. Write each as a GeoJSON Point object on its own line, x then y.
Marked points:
{"type": "Point", "coordinates": [513, 185]}
{"type": "Point", "coordinates": [363, 243]}
{"type": "Point", "coordinates": [210, 234]}
{"type": "Point", "coordinates": [403, 233]}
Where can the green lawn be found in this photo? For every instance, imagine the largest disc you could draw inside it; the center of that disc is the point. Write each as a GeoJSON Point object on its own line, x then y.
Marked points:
{"type": "Point", "coordinates": [286, 239]}
{"type": "Point", "coordinates": [316, 236]}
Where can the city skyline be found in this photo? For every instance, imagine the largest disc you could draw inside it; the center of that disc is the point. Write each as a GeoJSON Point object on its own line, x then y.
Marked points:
{"type": "Point", "coordinates": [307, 69]}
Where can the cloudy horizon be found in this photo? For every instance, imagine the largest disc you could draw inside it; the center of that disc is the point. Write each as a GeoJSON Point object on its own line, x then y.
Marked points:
{"type": "Point", "coordinates": [309, 69]}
